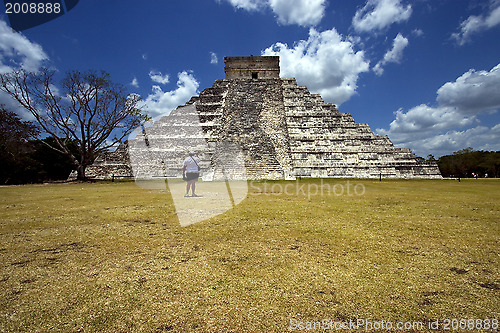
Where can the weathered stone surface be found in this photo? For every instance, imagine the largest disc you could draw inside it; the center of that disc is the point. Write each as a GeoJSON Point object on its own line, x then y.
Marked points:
{"type": "Point", "coordinates": [252, 67]}
{"type": "Point", "coordinates": [282, 131]}
{"type": "Point", "coordinates": [109, 165]}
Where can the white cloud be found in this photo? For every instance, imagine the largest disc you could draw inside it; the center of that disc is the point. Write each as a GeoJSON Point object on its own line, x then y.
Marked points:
{"type": "Point", "coordinates": [473, 92]}
{"type": "Point", "coordinates": [474, 24]}
{"type": "Point", "coordinates": [301, 12]}
{"type": "Point", "coordinates": [326, 63]}
{"type": "Point", "coordinates": [17, 52]}
{"type": "Point", "coordinates": [213, 58]}
{"type": "Point", "coordinates": [479, 137]}
{"type": "Point", "coordinates": [379, 14]}
{"type": "Point", "coordinates": [158, 77]}
{"type": "Point", "coordinates": [135, 82]}
{"type": "Point", "coordinates": [393, 55]}
{"type": "Point", "coordinates": [423, 120]}
{"type": "Point", "coordinates": [438, 130]}
{"type": "Point", "coordinates": [161, 102]}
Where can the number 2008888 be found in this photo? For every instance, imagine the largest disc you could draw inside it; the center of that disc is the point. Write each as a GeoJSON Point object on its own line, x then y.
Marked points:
{"type": "Point", "coordinates": [33, 8]}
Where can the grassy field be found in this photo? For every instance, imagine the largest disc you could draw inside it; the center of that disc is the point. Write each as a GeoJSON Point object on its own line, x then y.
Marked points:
{"type": "Point", "coordinates": [112, 257]}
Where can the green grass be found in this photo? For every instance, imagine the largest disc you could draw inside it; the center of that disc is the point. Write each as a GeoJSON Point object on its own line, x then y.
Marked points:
{"type": "Point", "coordinates": [112, 257]}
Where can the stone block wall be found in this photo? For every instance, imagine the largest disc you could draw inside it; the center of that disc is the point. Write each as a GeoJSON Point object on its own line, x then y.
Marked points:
{"type": "Point", "coordinates": [252, 67]}
{"type": "Point", "coordinates": [109, 165]}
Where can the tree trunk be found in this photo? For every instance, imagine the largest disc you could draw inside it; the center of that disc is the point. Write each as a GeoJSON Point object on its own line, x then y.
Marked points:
{"type": "Point", "coordinates": [81, 172]}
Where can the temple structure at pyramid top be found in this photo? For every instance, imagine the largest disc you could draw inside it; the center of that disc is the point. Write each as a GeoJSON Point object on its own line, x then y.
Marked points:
{"type": "Point", "coordinates": [252, 67]}
{"type": "Point", "coordinates": [280, 130]}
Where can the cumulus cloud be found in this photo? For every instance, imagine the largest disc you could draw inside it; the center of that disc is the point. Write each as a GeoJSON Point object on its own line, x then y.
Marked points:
{"type": "Point", "coordinates": [213, 58]}
{"type": "Point", "coordinates": [161, 102]}
{"type": "Point", "coordinates": [326, 63]}
{"type": "Point", "coordinates": [393, 55]}
{"type": "Point", "coordinates": [379, 14]}
{"type": "Point", "coordinates": [473, 92]}
{"type": "Point", "coordinates": [479, 137]}
{"type": "Point", "coordinates": [17, 52]}
{"type": "Point", "coordinates": [158, 77]}
{"type": "Point", "coordinates": [421, 121]}
{"type": "Point", "coordinates": [301, 12]}
{"type": "Point", "coordinates": [477, 23]}
{"type": "Point", "coordinates": [438, 130]}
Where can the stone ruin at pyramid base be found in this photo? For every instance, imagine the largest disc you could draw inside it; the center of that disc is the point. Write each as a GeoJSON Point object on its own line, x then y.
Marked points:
{"type": "Point", "coordinates": [276, 129]}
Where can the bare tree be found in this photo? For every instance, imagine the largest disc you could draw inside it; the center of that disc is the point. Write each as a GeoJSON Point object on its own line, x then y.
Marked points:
{"type": "Point", "coordinates": [88, 108]}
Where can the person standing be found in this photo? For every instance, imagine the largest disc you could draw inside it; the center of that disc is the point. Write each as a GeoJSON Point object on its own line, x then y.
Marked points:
{"type": "Point", "coordinates": [191, 172]}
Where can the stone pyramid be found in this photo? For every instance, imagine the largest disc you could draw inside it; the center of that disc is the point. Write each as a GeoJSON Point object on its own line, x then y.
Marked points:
{"type": "Point", "coordinates": [278, 128]}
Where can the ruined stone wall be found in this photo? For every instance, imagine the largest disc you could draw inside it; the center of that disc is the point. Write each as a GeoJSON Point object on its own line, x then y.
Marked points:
{"type": "Point", "coordinates": [109, 165]}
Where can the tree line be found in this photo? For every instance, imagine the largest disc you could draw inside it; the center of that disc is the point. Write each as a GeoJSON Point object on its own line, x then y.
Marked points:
{"type": "Point", "coordinates": [27, 160]}
{"type": "Point", "coordinates": [470, 163]}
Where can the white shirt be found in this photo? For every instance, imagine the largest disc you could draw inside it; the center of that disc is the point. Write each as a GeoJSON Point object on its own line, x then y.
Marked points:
{"type": "Point", "coordinates": [190, 164]}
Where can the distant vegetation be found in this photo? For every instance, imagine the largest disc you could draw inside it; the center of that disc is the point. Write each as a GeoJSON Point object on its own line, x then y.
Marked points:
{"type": "Point", "coordinates": [470, 163]}
{"type": "Point", "coordinates": [25, 159]}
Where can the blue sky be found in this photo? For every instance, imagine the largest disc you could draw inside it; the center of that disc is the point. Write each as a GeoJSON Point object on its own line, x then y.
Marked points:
{"type": "Point", "coordinates": [424, 72]}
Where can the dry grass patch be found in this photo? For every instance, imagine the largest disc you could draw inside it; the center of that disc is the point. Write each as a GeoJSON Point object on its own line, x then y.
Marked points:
{"type": "Point", "coordinates": [112, 257]}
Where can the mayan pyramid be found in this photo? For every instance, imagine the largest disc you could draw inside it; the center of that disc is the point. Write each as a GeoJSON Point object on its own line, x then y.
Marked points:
{"type": "Point", "coordinates": [278, 129]}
